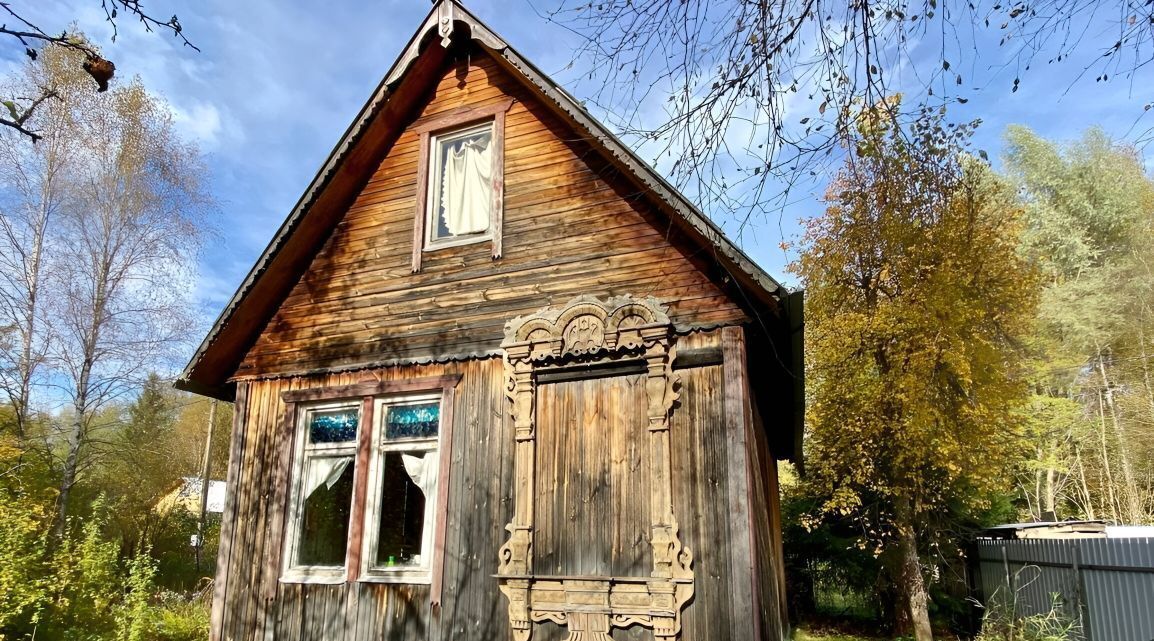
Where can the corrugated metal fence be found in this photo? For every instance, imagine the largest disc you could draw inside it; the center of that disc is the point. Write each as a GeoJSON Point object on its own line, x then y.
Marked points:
{"type": "Point", "coordinates": [1106, 584]}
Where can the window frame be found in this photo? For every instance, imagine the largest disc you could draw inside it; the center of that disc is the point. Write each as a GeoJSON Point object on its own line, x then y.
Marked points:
{"type": "Point", "coordinates": [303, 453]}
{"type": "Point", "coordinates": [433, 200]}
{"type": "Point", "coordinates": [448, 123]}
{"type": "Point", "coordinates": [281, 518]}
{"type": "Point", "coordinates": [379, 450]}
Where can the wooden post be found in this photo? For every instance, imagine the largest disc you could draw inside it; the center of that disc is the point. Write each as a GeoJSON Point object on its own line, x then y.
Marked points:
{"type": "Point", "coordinates": [204, 471]}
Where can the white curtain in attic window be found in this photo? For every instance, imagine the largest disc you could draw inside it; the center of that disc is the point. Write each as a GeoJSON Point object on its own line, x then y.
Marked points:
{"type": "Point", "coordinates": [422, 470]}
{"type": "Point", "coordinates": [467, 186]}
{"type": "Point", "coordinates": [325, 471]}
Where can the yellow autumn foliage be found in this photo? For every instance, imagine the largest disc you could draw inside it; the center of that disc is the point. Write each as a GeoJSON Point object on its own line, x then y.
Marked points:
{"type": "Point", "coordinates": [917, 305]}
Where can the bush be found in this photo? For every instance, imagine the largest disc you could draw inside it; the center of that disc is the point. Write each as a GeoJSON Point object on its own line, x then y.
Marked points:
{"type": "Point", "coordinates": [1000, 623]}
{"type": "Point", "coordinates": [180, 618]}
{"type": "Point", "coordinates": [23, 549]}
{"type": "Point", "coordinates": [81, 590]}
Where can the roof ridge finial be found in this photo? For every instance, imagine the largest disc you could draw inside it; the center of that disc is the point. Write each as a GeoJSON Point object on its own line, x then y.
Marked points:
{"type": "Point", "coordinates": [445, 16]}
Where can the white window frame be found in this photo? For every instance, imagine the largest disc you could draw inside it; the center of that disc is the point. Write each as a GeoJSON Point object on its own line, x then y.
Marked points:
{"type": "Point", "coordinates": [380, 448]}
{"type": "Point", "coordinates": [303, 451]}
{"type": "Point", "coordinates": [434, 192]}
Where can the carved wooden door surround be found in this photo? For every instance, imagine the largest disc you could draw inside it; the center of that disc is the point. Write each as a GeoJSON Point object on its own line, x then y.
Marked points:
{"type": "Point", "coordinates": [590, 331]}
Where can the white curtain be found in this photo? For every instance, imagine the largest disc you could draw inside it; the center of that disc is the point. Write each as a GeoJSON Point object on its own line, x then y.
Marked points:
{"type": "Point", "coordinates": [325, 471]}
{"type": "Point", "coordinates": [467, 187]}
{"type": "Point", "coordinates": [422, 470]}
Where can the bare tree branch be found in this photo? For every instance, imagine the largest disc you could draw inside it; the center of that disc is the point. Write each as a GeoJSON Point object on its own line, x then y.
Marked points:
{"type": "Point", "coordinates": [741, 100]}
{"type": "Point", "coordinates": [20, 117]}
{"type": "Point", "coordinates": [101, 70]}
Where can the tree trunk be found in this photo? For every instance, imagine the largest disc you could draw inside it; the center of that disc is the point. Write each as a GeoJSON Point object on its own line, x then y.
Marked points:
{"type": "Point", "coordinates": [1036, 502]}
{"type": "Point", "coordinates": [1049, 500]}
{"type": "Point", "coordinates": [72, 459]}
{"type": "Point", "coordinates": [1133, 504]}
{"type": "Point", "coordinates": [21, 397]}
{"type": "Point", "coordinates": [1146, 381]}
{"type": "Point", "coordinates": [1108, 475]}
{"type": "Point", "coordinates": [913, 585]}
{"type": "Point", "coordinates": [1085, 487]}
{"type": "Point", "coordinates": [80, 405]}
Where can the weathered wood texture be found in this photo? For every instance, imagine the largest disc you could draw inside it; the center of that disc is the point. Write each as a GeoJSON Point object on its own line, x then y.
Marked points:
{"type": "Point", "coordinates": [479, 496]}
{"type": "Point", "coordinates": [738, 415]}
{"type": "Point", "coordinates": [768, 552]}
{"type": "Point", "coordinates": [593, 478]}
{"type": "Point", "coordinates": [702, 492]}
{"type": "Point", "coordinates": [480, 503]}
{"type": "Point", "coordinates": [571, 226]}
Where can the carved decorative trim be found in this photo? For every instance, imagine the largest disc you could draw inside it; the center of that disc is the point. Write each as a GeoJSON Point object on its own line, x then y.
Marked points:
{"type": "Point", "coordinates": [588, 330]}
{"type": "Point", "coordinates": [443, 19]}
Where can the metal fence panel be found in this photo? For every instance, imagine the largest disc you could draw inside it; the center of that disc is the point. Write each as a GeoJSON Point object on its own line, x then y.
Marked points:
{"type": "Point", "coordinates": [1106, 584]}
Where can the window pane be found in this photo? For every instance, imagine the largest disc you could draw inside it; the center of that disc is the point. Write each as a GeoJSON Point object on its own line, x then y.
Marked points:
{"type": "Point", "coordinates": [406, 481]}
{"type": "Point", "coordinates": [463, 185]}
{"type": "Point", "coordinates": [328, 492]}
{"type": "Point", "coordinates": [333, 426]}
{"type": "Point", "coordinates": [413, 421]}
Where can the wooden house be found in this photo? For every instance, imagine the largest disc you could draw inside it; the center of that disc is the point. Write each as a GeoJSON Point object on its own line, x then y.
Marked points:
{"type": "Point", "coordinates": [496, 379]}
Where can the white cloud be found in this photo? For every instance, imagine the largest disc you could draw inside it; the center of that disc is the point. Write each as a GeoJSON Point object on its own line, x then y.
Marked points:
{"type": "Point", "coordinates": [200, 122]}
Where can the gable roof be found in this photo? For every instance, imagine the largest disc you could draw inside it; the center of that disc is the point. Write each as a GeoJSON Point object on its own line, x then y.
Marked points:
{"type": "Point", "coordinates": [374, 129]}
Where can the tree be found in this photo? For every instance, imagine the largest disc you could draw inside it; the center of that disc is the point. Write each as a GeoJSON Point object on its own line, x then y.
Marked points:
{"type": "Point", "coordinates": [23, 105]}
{"type": "Point", "coordinates": [127, 254]}
{"type": "Point", "coordinates": [751, 96]}
{"type": "Point", "coordinates": [1090, 207]}
{"type": "Point", "coordinates": [119, 199]}
{"type": "Point", "coordinates": [917, 304]}
{"type": "Point", "coordinates": [34, 189]}
{"type": "Point", "coordinates": [142, 464]}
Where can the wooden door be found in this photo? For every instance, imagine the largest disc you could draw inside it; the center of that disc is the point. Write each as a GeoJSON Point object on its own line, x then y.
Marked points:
{"type": "Point", "coordinates": [592, 504]}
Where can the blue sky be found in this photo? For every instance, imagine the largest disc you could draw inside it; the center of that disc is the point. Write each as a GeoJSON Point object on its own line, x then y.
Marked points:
{"type": "Point", "coordinates": [278, 81]}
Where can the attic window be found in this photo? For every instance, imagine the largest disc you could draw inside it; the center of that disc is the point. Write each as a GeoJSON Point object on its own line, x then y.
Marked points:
{"type": "Point", "coordinates": [460, 179]}
{"type": "Point", "coordinates": [460, 187]}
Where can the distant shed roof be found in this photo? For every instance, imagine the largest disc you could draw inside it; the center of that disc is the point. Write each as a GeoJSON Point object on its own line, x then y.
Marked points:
{"type": "Point", "coordinates": [1047, 530]}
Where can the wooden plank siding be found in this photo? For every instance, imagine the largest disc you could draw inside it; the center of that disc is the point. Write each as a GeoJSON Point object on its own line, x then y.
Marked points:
{"type": "Point", "coordinates": [480, 503]}
{"type": "Point", "coordinates": [772, 605]}
{"type": "Point", "coordinates": [592, 478]}
{"type": "Point", "coordinates": [571, 226]}
{"type": "Point", "coordinates": [702, 492]}
{"type": "Point", "coordinates": [479, 494]}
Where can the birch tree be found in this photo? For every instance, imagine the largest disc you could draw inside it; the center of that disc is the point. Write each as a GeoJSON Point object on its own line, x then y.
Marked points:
{"type": "Point", "coordinates": [917, 303]}
{"type": "Point", "coordinates": [34, 190]}
{"type": "Point", "coordinates": [102, 219]}
{"type": "Point", "coordinates": [127, 252]}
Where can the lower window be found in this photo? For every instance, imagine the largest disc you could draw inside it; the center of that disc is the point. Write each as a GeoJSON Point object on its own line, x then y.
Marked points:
{"type": "Point", "coordinates": [403, 477]}
{"type": "Point", "coordinates": [394, 509]}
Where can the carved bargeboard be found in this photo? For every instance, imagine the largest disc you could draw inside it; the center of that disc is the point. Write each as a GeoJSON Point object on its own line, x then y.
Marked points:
{"type": "Point", "coordinates": [589, 331]}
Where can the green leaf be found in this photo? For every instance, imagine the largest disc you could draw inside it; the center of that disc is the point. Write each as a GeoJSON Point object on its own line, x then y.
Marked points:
{"type": "Point", "coordinates": [11, 108]}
